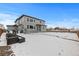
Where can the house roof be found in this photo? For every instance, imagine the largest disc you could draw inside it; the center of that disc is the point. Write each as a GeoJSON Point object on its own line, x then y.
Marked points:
{"type": "Point", "coordinates": [28, 16]}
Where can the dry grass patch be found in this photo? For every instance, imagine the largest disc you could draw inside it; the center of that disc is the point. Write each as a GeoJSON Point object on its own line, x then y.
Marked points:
{"type": "Point", "coordinates": [5, 51]}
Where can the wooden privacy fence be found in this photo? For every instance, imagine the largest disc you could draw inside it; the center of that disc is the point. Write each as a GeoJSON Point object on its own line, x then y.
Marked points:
{"type": "Point", "coordinates": [78, 34]}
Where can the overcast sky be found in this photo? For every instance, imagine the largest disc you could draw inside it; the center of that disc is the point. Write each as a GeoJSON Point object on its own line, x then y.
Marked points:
{"type": "Point", "coordinates": [62, 15]}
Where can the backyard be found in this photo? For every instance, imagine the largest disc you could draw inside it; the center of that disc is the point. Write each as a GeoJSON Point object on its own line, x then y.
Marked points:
{"type": "Point", "coordinates": [47, 44]}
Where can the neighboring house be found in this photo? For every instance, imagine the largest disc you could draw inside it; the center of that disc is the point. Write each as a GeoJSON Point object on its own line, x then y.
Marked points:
{"type": "Point", "coordinates": [27, 23]}
{"type": "Point", "coordinates": [12, 28]}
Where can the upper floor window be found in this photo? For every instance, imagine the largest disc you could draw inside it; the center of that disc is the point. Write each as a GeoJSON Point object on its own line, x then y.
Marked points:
{"type": "Point", "coordinates": [40, 21]}
{"type": "Point", "coordinates": [34, 20]}
{"type": "Point", "coordinates": [27, 19]}
{"type": "Point", "coordinates": [31, 20]}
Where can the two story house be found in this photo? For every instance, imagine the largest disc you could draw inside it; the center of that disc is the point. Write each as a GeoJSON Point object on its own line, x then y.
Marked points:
{"type": "Point", "coordinates": [27, 23]}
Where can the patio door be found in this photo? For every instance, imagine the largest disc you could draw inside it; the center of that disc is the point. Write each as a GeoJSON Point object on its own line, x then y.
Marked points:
{"type": "Point", "coordinates": [38, 28]}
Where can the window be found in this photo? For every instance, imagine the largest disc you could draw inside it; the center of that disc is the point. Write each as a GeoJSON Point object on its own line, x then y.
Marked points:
{"type": "Point", "coordinates": [43, 27]}
{"type": "Point", "coordinates": [31, 20]}
{"type": "Point", "coordinates": [27, 26]}
{"type": "Point", "coordinates": [34, 20]}
{"type": "Point", "coordinates": [40, 21]}
{"type": "Point", "coordinates": [31, 27]}
{"type": "Point", "coordinates": [27, 19]}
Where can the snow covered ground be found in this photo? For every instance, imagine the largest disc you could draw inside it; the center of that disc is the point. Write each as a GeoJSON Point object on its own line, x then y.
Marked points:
{"type": "Point", "coordinates": [48, 44]}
